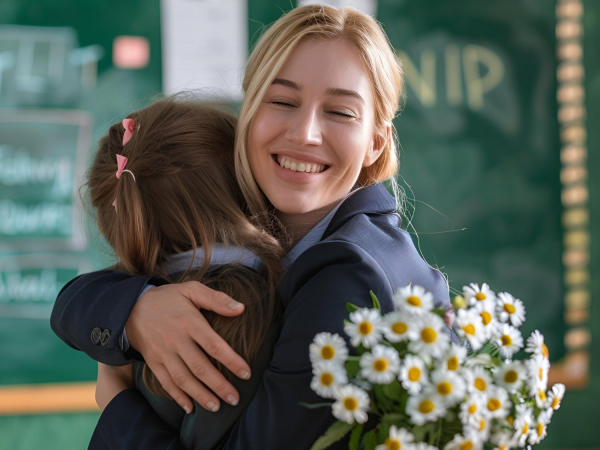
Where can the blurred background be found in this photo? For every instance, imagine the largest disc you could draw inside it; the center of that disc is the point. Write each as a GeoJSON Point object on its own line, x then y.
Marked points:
{"type": "Point", "coordinates": [494, 155]}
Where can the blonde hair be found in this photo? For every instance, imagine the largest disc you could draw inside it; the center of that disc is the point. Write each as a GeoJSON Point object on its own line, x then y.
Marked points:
{"type": "Point", "coordinates": [271, 53]}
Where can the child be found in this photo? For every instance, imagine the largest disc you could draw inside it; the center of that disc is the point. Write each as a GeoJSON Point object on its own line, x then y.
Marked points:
{"type": "Point", "coordinates": [174, 211]}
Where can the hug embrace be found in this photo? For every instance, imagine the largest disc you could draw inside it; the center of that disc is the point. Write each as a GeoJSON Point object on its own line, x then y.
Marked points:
{"type": "Point", "coordinates": [238, 240]}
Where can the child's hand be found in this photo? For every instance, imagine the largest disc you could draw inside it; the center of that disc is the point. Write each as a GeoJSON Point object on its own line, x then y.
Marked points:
{"type": "Point", "coordinates": [111, 381]}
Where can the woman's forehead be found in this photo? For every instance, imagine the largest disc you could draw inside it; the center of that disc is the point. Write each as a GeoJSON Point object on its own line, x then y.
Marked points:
{"type": "Point", "coordinates": [331, 66]}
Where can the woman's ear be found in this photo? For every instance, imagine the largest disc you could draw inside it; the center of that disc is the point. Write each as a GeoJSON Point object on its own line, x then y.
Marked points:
{"type": "Point", "coordinates": [380, 139]}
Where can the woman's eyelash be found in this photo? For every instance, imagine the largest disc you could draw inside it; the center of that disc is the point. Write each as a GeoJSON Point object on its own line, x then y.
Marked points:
{"type": "Point", "coordinates": [337, 113]}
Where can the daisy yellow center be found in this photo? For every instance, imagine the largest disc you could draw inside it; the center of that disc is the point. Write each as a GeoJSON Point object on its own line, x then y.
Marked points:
{"type": "Point", "coordinates": [482, 425]}
{"type": "Point", "coordinates": [327, 352]}
{"type": "Point", "coordinates": [480, 384]}
{"type": "Point", "coordinates": [414, 374]}
{"type": "Point", "coordinates": [486, 317]}
{"type": "Point", "coordinates": [326, 379]}
{"type": "Point", "coordinates": [399, 328]}
{"type": "Point", "coordinates": [525, 428]}
{"type": "Point", "coordinates": [453, 363]}
{"type": "Point", "coordinates": [350, 404]}
{"type": "Point", "coordinates": [494, 404]}
{"type": "Point", "coordinates": [502, 447]}
{"type": "Point", "coordinates": [467, 445]}
{"type": "Point", "coordinates": [413, 300]}
{"type": "Point", "coordinates": [469, 329]}
{"type": "Point", "coordinates": [380, 365]}
{"type": "Point", "coordinates": [472, 409]}
{"type": "Point", "coordinates": [444, 388]}
{"type": "Point", "coordinates": [392, 444]}
{"type": "Point", "coordinates": [365, 328]}
{"type": "Point", "coordinates": [506, 340]}
{"type": "Point", "coordinates": [540, 429]}
{"type": "Point", "coordinates": [511, 376]}
{"type": "Point", "coordinates": [426, 406]}
{"type": "Point", "coordinates": [509, 308]}
{"type": "Point", "coordinates": [555, 403]}
{"type": "Point", "coordinates": [429, 335]}
{"type": "Point", "coordinates": [480, 296]}
{"type": "Point", "coordinates": [510, 420]}
{"type": "Point", "coordinates": [542, 395]}
{"type": "Point", "coordinates": [545, 352]}
{"type": "Point", "coordinates": [540, 374]}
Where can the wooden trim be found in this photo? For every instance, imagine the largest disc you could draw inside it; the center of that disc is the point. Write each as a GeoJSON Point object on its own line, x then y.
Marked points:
{"type": "Point", "coordinates": [48, 398]}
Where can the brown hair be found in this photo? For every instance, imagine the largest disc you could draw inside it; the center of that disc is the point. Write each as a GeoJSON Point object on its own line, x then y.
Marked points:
{"type": "Point", "coordinates": [184, 196]}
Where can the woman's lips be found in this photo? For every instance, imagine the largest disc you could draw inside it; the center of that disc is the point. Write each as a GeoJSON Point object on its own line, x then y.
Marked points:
{"type": "Point", "coordinates": [298, 165]}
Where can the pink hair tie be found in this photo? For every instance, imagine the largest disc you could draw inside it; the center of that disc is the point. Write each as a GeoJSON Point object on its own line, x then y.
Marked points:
{"type": "Point", "coordinates": [129, 125]}
{"type": "Point", "coordinates": [121, 163]}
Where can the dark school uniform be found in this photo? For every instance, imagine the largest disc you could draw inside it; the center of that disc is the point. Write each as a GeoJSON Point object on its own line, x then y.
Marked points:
{"type": "Point", "coordinates": [362, 249]}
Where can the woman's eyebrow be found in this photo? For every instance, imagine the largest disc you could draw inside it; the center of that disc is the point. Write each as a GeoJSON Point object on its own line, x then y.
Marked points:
{"type": "Point", "coordinates": [330, 91]}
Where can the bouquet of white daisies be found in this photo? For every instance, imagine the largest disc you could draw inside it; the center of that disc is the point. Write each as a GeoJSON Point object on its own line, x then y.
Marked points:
{"type": "Point", "coordinates": [426, 391]}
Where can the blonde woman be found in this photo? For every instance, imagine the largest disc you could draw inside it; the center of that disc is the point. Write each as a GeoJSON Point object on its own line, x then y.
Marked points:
{"type": "Point", "coordinates": [313, 143]}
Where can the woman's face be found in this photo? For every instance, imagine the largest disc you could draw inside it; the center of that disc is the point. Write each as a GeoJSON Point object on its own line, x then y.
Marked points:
{"type": "Point", "coordinates": [314, 129]}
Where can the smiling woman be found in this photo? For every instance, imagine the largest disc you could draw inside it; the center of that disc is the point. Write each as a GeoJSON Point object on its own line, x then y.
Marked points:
{"type": "Point", "coordinates": [313, 143]}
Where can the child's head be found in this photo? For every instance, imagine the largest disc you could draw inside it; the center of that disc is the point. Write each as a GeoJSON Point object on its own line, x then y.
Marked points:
{"type": "Point", "coordinates": [180, 192]}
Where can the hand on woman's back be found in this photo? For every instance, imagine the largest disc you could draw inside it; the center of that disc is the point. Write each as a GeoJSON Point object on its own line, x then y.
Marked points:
{"type": "Point", "coordinates": [173, 336]}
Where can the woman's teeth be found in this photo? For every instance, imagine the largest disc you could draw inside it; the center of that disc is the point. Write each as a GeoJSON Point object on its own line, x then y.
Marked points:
{"type": "Point", "coordinates": [300, 166]}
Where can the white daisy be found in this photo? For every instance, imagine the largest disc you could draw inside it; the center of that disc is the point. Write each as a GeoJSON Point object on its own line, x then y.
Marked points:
{"type": "Point", "coordinates": [328, 347]}
{"type": "Point", "coordinates": [535, 344]}
{"type": "Point", "coordinates": [497, 402]}
{"type": "Point", "coordinates": [478, 380]}
{"type": "Point", "coordinates": [510, 376]}
{"type": "Point", "coordinates": [473, 407]}
{"type": "Point", "coordinates": [473, 294]}
{"type": "Point", "coordinates": [423, 446]}
{"type": "Point", "coordinates": [522, 424]}
{"type": "Point", "coordinates": [448, 385]}
{"type": "Point", "coordinates": [478, 427]}
{"type": "Point", "coordinates": [431, 338]}
{"type": "Point", "coordinates": [425, 407]}
{"type": "Point", "coordinates": [381, 365]}
{"type": "Point", "coordinates": [454, 357]}
{"type": "Point", "coordinates": [503, 440]}
{"type": "Point", "coordinates": [538, 430]}
{"type": "Point", "coordinates": [538, 368]}
{"type": "Point", "coordinates": [507, 339]}
{"type": "Point", "coordinates": [510, 309]}
{"type": "Point", "coordinates": [351, 404]}
{"type": "Point", "coordinates": [556, 395]}
{"type": "Point", "coordinates": [397, 326]}
{"type": "Point", "coordinates": [487, 312]}
{"type": "Point", "coordinates": [482, 359]}
{"type": "Point", "coordinates": [364, 327]}
{"type": "Point", "coordinates": [468, 324]}
{"type": "Point", "coordinates": [413, 299]}
{"type": "Point", "coordinates": [463, 443]}
{"type": "Point", "coordinates": [398, 439]}
{"type": "Point", "coordinates": [327, 377]}
{"type": "Point", "coordinates": [413, 374]}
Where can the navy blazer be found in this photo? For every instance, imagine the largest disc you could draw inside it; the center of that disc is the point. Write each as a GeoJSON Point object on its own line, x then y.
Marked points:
{"type": "Point", "coordinates": [363, 249]}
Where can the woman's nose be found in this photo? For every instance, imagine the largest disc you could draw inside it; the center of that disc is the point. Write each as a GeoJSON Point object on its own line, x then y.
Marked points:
{"type": "Point", "coordinates": [304, 129]}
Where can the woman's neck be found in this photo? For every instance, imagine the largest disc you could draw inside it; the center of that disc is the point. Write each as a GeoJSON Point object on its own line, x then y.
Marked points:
{"type": "Point", "coordinates": [298, 225]}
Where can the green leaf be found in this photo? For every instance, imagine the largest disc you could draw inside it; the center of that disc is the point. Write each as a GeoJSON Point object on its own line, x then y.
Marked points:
{"type": "Point", "coordinates": [370, 440]}
{"type": "Point", "coordinates": [351, 307]}
{"type": "Point", "coordinates": [439, 311]}
{"type": "Point", "coordinates": [333, 434]}
{"type": "Point", "coordinates": [352, 367]}
{"type": "Point", "coordinates": [315, 405]}
{"type": "Point", "coordinates": [376, 304]}
{"type": "Point", "coordinates": [355, 437]}
{"type": "Point", "coordinates": [393, 390]}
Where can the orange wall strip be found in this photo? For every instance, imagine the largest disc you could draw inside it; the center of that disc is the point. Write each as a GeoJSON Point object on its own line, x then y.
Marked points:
{"type": "Point", "coordinates": [47, 398]}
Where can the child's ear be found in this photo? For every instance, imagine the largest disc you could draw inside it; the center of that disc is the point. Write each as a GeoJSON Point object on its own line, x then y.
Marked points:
{"type": "Point", "coordinates": [380, 139]}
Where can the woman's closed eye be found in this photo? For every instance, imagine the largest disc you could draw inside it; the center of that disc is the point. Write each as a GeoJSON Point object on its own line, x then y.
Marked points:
{"type": "Point", "coordinates": [343, 114]}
